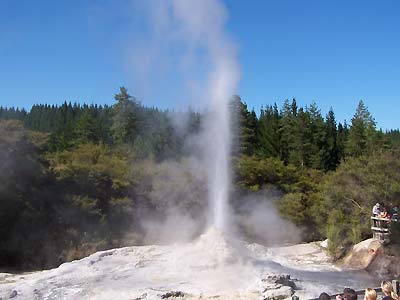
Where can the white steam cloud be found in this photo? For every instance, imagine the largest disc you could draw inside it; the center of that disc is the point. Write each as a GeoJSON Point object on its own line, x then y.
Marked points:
{"type": "Point", "coordinates": [259, 221]}
{"type": "Point", "coordinates": [191, 34]}
{"type": "Point", "coordinates": [186, 42]}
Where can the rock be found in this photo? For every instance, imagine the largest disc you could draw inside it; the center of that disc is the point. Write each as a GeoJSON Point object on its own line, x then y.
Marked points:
{"type": "Point", "coordinates": [373, 256]}
{"type": "Point", "coordinates": [172, 294]}
{"type": "Point", "coordinates": [106, 253]}
{"type": "Point", "coordinates": [13, 294]}
{"type": "Point", "coordinates": [362, 254]}
{"type": "Point", "coordinates": [278, 287]}
{"type": "Point", "coordinates": [277, 281]}
{"type": "Point", "coordinates": [143, 296]}
{"type": "Point", "coordinates": [283, 292]}
{"type": "Point", "coordinates": [386, 263]}
{"type": "Point", "coordinates": [324, 244]}
{"type": "Point", "coordinates": [286, 281]}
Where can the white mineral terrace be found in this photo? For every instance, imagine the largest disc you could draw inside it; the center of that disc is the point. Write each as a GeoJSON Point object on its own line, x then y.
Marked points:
{"type": "Point", "coordinates": [211, 267]}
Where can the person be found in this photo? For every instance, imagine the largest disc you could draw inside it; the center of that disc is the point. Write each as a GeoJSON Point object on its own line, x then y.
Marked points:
{"type": "Point", "coordinates": [384, 212]}
{"type": "Point", "coordinates": [348, 294]}
{"type": "Point", "coordinates": [393, 211]}
{"type": "Point", "coordinates": [370, 294]}
{"type": "Point", "coordinates": [376, 210]}
{"type": "Point", "coordinates": [387, 290]}
{"type": "Point", "coordinates": [324, 296]}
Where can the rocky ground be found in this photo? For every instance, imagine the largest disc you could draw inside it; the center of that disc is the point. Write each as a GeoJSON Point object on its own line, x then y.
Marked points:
{"type": "Point", "coordinates": [376, 258]}
{"type": "Point", "coordinates": [211, 267]}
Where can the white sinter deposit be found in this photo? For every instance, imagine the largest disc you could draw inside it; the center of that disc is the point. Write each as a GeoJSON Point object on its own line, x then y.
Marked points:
{"type": "Point", "coordinates": [211, 267]}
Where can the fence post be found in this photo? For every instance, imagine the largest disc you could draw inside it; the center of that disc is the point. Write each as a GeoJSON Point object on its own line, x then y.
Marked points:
{"type": "Point", "coordinates": [396, 286]}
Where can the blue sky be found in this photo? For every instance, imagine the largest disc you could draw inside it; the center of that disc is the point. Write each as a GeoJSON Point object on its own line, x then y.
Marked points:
{"type": "Point", "coordinates": [331, 52]}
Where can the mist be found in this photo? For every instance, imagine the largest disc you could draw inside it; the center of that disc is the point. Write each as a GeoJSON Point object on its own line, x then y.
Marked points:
{"type": "Point", "coordinates": [180, 204]}
{"type": "Point", "coordinates": [258, 220]}
{"type": "Point", "coordinates": [190, 38]}
{"type": "Point", "coordinates": [210, 72]}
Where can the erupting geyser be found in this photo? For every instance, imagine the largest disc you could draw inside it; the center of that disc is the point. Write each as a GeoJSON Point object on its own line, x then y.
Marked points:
{"type": "Point", "coordinates": [222, 86]}
{"type": "Point", "coordinates": [202, 25]}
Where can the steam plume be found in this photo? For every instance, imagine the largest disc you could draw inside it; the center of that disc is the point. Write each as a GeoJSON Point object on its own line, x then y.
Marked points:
{"type": "Point", "coordinates": [203, 23]}
{"type": "Point", "coordinates": [198, 27]}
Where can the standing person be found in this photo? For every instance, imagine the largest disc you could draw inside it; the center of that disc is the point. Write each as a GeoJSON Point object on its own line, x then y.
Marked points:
{"type": "Point", "coordinates": [348, 294]}
{"type": "Point", "coordinates": [384, 212]}
{"type": "Point", "coordinates": [324, 296]}
{"type": "Point", "coordinates": [370, 294]}
{"type": "Point", "coordinates": [393, 211]}
{"type": "Point", "coordinates": [376, 210]}
{"type": "Point", "coordinates": [387, 290]}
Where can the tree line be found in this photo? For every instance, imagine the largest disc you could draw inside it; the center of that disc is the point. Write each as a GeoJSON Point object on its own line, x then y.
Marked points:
{"type": "Point", "coordinates": [149, 130]}
{"type": "Point", "coordinates": [295, 135]}
{"type": "Point", "coordinates": [305, 138]}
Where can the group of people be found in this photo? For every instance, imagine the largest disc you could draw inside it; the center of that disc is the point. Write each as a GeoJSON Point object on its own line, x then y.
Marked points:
{"type": "Point", "coordinates": [369, 294]}
{"type": "Point", "coordinates": [390, 212]}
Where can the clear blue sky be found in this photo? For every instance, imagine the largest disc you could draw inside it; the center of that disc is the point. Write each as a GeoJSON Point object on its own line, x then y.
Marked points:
{"type": "Point", "coordinates": [330, 52]}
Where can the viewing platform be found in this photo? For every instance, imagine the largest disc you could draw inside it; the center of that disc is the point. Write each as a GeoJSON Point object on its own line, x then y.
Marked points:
{"type": "Point", "coordinates": [381, 228]}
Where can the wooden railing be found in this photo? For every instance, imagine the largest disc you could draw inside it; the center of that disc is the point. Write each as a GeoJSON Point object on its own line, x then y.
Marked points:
{"type": "Point", "coordinates": [381, 228]}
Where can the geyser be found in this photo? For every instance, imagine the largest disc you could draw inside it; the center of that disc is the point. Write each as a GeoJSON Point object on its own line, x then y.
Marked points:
{"type": "Point", "coordinates": [222, 85]}
{"type": "Point", "coordinates": [188, 38]}
{"type": "Point", "coordinates": [203, 24]}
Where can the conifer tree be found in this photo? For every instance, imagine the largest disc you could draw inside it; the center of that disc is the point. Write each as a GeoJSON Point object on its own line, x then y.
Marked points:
{"type": "Point", "coordinates": [301, 151]}
{"type": "Point", "coordinates": [341, 141]}
{"type": "Point", "coordinates": [362, 132]}
{"type": "Point", "coordinates": [125, 125]}
{"type": "Point", "coordinates": [288, 132]}
{"type": "Point", "coordinates": [87, 128]}
{"type": "Point", "coordinates": [330, 158]}
{"type": "Point", "coordinates": [268, 132]}
{"type": "Point", "coordinates": [318, 137]}
{"type": "Point", "coordinates": [244, 126]}
{"type": "Point", "coordinates": [251, 128]}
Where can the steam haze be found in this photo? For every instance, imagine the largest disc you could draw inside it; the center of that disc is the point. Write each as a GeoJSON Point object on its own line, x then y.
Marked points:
{"type": "Point", "coordinates": [210, 71]}
{"type": "Point", "coordinates": [187, 39]}
{"type": "Point", "coordinates": [259, 221]}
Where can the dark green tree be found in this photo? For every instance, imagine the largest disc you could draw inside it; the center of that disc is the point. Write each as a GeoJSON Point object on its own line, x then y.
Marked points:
{"type": "Point", "coordinates": [330, 159]}
{"type": "Point", "coordinates": [125, 126]}
{"type": "Point", "coordinates": [244, 126]}
{"type": "Point", "coordinates": [268, 132]}
{"type": "Point", "coordinates": [301, 153]}
{"type": "Point", "coordinates": [87, 128]}
{"type": "Point", "coordinates": [318, 137]}
{"type": "Point", "coordinates": [288, 131]}
{"type": "Point", "coordinates": [362, 132]}
{"type": "Point", "coordinates": [341, 141]}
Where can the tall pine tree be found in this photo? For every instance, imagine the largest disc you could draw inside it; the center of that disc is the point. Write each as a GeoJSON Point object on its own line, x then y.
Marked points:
{"type": "Point", "coordinates": [125, 125]}
{"type": "Point", "coordinates": [362, 132]}
{"type": "Point", "coordinates": [268, 132]}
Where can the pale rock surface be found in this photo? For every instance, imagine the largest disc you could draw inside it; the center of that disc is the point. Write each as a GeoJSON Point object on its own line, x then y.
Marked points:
{"type": "Point", "coordinates": [211, 267]}
{"type": "Point", "coordinates": [362, 254]}
{"type": "Point", "coordinates": [386, 266]}
{"type": "Point", "coordinates": [324, 244]}
{"type": "Point", "coordinates": [373, 256]}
